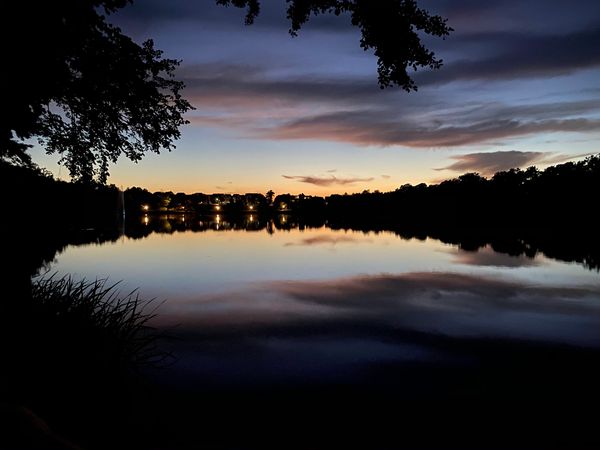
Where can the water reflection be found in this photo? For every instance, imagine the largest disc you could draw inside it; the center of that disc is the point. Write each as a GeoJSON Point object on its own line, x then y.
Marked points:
{"type": "Point", "coordinates": [329, 240]}
{"type": "Point", "coordinates": [486, 256]}
{"type": "Point", "coordinates": [280, 278]}
{"type": "Point", "coordinates": [493, 248]}
{"type": "Point", "coordinates": [339, 330]}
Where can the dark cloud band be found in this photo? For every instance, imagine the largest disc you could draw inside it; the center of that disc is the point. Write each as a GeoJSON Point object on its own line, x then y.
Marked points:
{"type": "Point", "coordinates": [327, 180]}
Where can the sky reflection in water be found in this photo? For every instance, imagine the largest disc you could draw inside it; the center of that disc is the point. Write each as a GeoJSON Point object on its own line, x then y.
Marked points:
{"type": "Point", "coordinates": [322, 305]}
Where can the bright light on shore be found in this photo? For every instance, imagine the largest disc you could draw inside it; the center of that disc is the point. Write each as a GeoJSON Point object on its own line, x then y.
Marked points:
{"type": "Point", "coordinates": [145, 207]}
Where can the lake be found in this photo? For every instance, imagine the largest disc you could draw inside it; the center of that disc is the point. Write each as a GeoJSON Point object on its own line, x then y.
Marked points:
{"type": "Point", "coordinates": [297, 316]}
{"type": "Point", "coordinates": [287, 303]}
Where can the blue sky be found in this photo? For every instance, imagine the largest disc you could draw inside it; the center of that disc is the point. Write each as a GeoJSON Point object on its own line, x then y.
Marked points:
{"type": "Point", "coordinates": [520, 86]}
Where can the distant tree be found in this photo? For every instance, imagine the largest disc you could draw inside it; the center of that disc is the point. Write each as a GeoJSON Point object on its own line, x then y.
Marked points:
{"type": "Point", "coordinates": [136, 198]}
{"type": "Point", "coordinates": [269, 196]}
{"type": "Point", "coordinates": [391, 28]}
{"type": "Point", "coordinates": [532, 173]}
{"type": "Point", "coordinates": [164, 199]}
{"type": "Point", "coordinates": [82, 88]}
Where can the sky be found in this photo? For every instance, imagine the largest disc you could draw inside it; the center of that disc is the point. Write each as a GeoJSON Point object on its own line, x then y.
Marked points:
{"type": "Point", "coordinates": [520, 86]}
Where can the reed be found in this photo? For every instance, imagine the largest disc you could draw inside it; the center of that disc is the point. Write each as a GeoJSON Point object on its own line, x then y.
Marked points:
{"type": "Point", "coordinates": [94, 315]}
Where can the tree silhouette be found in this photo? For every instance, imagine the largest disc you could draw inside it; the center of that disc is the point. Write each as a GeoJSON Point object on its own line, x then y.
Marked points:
{"type": "Point", "coordinates": [269, 196]}
{"type": "Point", "coordinates": [390, 28]}
{"type": "Point", "coordinates": [84, 89]}
{"type": "Point", "coordinates": [91, 94]}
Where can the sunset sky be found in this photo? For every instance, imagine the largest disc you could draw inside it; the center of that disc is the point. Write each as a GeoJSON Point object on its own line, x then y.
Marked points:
{"type": "Point", "coordinates": [520, 86]}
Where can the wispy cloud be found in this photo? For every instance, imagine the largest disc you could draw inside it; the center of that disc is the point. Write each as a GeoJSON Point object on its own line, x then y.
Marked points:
{"type": "Point", "coordinates": [377, 128]}
{"type": "Point", "coordinates": [491, 162]}
{"type": "Point", "coordinates": [253, 103]}
{"type": "Point", "coordinates": [330, 180]}
{"type": "Point", "coordinates": [559, 158]}
{"type": "Point", "coordinates": [249, 85]}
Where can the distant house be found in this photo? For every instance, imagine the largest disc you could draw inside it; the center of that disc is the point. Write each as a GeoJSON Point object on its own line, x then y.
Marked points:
{"type": "Point", "coordinates": [220, 199]}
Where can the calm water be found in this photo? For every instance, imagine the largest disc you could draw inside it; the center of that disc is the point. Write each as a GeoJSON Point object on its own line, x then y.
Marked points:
{"type": "Point", "coordinates": [318, 305]}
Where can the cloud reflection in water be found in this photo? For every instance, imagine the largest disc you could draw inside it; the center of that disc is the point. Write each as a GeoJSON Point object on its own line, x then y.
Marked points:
{"type": "Point", "coordinates": [339, 328]}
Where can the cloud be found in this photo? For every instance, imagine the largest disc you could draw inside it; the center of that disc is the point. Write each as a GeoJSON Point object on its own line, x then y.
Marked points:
{"type": "Point", "coordinates": [489, 163]}
{"type": "Point", "coordinates": [287, 97]}
{"type": "Point", "coordinates": [250, 85]}
{"type": "Point", "coordinates": [386, 177]}
{"type": "Point", "coordinates": [519, 55]}
{"type": "Point", "coordinates": [254, 103]}
{"type": "Point", "coordinates": [327, 180]}
{"type": "Point", "coordinates": [492, 162]}
{"type": "Point", "coordinates": [559, 158]}
{"type": "Point", "coordinates": [378, 128]}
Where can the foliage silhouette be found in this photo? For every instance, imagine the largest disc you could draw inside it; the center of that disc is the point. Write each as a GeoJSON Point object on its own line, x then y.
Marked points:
{"type": "Point", "coordinates": [531, 198]}
{"type": "Point", "coordinates": [74, 351]}
{"type": "Point", "coordinates": [389, 27]}
{"type": "Point", "coordinates": [102, 95]}
{"type": "Point", "coordinates": [84, 89]}
{"type": "Point", "coordinates": [270, 196]}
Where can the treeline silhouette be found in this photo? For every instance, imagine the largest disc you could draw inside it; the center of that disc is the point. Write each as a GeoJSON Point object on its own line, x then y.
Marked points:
{"type": "Point", "coordinates": [40, 211]}
{"type": "Point", "coordinates": [559, 195]}
{"type": "Point", "coordinates": [563, 194]}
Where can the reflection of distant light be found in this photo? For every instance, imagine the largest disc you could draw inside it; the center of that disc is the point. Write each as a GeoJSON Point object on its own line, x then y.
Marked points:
{"type": "Point", "coordinates": [251, 218]}
{"type": "Point", "coordinates": [283, 220]}
{"type": "Point", "coordinates": [146, 220]}
{"type": "Point", "coordinates": [218, 218]}
{"type": "Point", "coordinates": [218, 208]}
